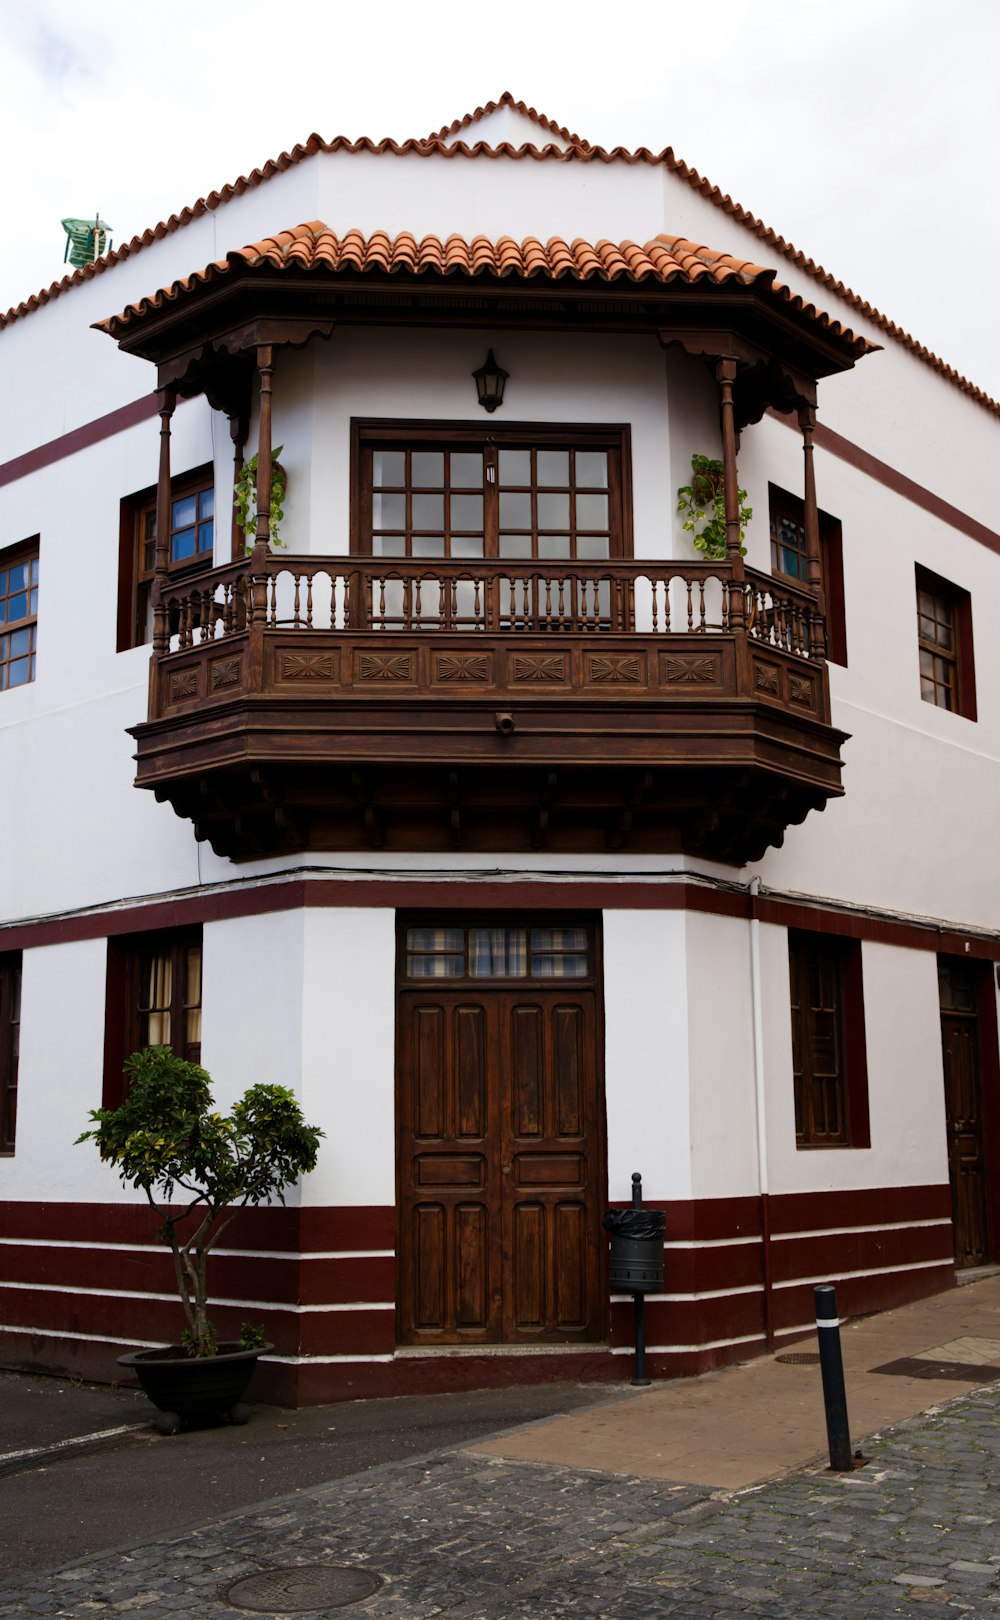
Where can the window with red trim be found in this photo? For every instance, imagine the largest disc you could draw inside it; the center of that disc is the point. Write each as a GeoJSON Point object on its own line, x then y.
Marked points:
{"type": "Point", "coordinates": [18, 614]}
{"type": "Point", "coordinates": [944, 641]}
{"type": "Point", "coordinates": [789, 558]}
{"type": "Point", "coordinates": [10, 1031]}
{"type": "Point", "coordinates": [153, 999]}
{"type": "Point", "coordinates": [190, 550]}
{"type": "Point", "coordinates": [829, 1063]}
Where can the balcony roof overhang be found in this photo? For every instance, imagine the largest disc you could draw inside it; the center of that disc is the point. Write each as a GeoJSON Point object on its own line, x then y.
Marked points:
{"type": "Point", "coordinates": [203, 332]}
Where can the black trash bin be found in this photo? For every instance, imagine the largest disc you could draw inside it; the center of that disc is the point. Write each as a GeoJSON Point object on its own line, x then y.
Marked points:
{"type": "Point", "coordinates": [636, 1250]}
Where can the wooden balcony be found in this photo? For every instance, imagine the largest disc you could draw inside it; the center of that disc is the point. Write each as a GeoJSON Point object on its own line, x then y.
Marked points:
{"type": "Point", "coordinates": [350, 703]}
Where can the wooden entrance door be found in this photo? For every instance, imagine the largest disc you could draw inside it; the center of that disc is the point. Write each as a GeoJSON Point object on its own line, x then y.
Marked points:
{"type": "Point", "coordinates": [500, 1140]}
{"type": "Point", "coordinates": [963, 1106]}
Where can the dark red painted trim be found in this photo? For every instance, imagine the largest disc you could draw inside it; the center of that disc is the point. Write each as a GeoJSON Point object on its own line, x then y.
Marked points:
{"type": "Point", "coordinates": [845, 450]}
{"type": "Point", "coordinates": [584, 895]}
{"type": "Point", "coordinates": [330, 1227]}
{"type": "Point", "coordinates": [81, 438]}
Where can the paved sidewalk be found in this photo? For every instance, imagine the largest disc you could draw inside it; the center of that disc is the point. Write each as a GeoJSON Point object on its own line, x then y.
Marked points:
{"type": "Point", "coordinates": [746, 1424]}
{"type": "Point", "coordinates": [470, 1534]}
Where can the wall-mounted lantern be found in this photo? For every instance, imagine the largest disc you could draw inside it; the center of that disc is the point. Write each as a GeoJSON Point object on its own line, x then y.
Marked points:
{"type": "Point", "coordinates": [490, 379]}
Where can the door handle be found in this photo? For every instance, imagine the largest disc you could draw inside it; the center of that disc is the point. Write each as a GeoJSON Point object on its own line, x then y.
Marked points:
{"type": "Point", "coordinates": [505, 1169]}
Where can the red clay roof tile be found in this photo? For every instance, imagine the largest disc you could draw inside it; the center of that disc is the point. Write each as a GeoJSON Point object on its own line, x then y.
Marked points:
{"type": "Point", "coordinates": [507, 100]}
{"type": "Point", "coordinates": [578, 151]}
{"type": "Point", "coordinates": [315, 246]}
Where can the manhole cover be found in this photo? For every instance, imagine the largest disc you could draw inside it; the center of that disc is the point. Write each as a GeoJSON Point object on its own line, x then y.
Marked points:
{"type": "Point", "coordinates": [301, 1588]}
{"type": "Point", "coordinates": [799, 1358]}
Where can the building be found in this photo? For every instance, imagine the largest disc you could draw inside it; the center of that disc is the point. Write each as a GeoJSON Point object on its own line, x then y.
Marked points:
{"type": "Point", "coordinates": [530, 845]}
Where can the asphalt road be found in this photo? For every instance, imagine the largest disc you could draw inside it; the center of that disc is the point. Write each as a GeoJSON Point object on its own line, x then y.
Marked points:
{"type": "Point", "coordinates": [61, 1502]}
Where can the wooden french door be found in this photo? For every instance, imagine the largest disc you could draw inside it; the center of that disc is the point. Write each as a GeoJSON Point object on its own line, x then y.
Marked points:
{"type": "Point", "coordinates": [963, 1106]}
{"type": "Point", "coordinates": [500, 1138]}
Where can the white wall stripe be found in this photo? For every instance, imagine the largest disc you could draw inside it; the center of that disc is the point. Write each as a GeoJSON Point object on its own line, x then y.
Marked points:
{"type": "Point", "coordinates": [707, 1293]}
{"type": "Point", "coordinates": [216, 1300]}
{"type": "Point", "coordinates": [234, 1254]}
{"type": "Point", "coordinates": [88, 1338]}
{"type": "Point", "coordinates": [853, 1231]}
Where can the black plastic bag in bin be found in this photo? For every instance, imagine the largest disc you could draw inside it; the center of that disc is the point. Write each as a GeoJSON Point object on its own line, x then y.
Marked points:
{"type": "Point", "coordinates": [636, 1223]}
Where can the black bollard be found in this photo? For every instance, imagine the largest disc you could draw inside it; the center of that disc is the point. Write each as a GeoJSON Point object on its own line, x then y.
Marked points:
{"type": "Point", "coordinates": [639, 1379]}
{"type": "Point", "coordinates": [832, 1368]}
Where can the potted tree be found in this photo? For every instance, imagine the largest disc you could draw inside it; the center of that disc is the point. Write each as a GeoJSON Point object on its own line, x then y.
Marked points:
{"type": "Point", "coordinates": [198, 1168]}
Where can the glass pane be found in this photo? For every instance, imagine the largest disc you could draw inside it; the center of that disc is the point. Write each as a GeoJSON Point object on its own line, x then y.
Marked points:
{"type": "Point", "coordinates": [553, 466]}
{"type": "Point", "coordinates": [3, 611]}
{"type": "Point", "coordinates": [592, 468]}
{"type": "Point", "coordinates": [206, 536]}
{"type": "Point", "coordinates": [559, 967]}
{"type": "Point", "coordinates": [515, 545]}
{"type": "Point", "coordinates": [192, 989]}
{"type": "Point", "coordinates": [467, 512]}
{"type": "Point", "coordinates": [553, 511]}
{"type": "Point", "coordinates": [33, 600]}
{"type": "Point", "coordinates": [388, 545]}
{"type": "Point", "coordinates": [498, 952]}
{"type": "Point", "coordinates": [591, 511]}
{"type": "Point", "coordinates": [428, 545]}
{"type": "Point", "coordinates": [428, 511]}
{"type": "Point", "coordinates": [466, 470]}
{"type": "Point", "coordinates": [20, 672]}
{"type": "Point", "coordinates": [435, 939]}
{"type": "Point", "coordinates": [558, 939]}
{"type": "Point", "coordinates": [466, 545]}
{"type": "Point", "coordinates": [20, 643]}
{"type": "Point", "coordinates": [389, 467]}
{"type": "Point", "coordinates": [515, 466]}
{"type": "Point", "coordinates": [388, 511]}
{"type": "Point", "coordinates": [18, 606]}
{"type": "Point", "coordinates": [18, 577]}
{"type": "Point", "coordinates": [182, 544]}
{"type": "Point", "coordinates": [206, 503]}
{"type": "Point", "coordinates": [593, 547]}
{"type": "Point", "coordinates": [435, 967]}
{"type": "Point", "coordinates": [3, 581]}
{"type": "Point", "coordinates": [554, 545]}
{"type": "Point", "coordinates": [427, 468]}
{"type": "Point", "coordinates": [183, 512]}
{"type": "Point", "coordinates": [515, 509]}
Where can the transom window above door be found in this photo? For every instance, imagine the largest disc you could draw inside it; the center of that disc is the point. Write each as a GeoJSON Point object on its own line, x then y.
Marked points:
{"type": "Point", "coordinates": [462, 494]}
{"type": "Point", "coordinates": [498, 951]}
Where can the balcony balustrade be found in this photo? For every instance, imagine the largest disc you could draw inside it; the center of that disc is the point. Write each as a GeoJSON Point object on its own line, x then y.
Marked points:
{"type": "Point", "coordinates": [345, 702]}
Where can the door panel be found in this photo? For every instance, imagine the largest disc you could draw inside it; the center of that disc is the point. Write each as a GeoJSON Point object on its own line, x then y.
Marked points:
{"type": "Point", "coordinates": [501, 1166]}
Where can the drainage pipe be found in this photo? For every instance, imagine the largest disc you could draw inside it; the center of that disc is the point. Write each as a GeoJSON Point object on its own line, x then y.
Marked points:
{"type": "Point", "coordinates": [760, 1108]}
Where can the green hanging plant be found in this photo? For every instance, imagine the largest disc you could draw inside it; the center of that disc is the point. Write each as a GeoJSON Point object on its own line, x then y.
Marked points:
{"type": "Point", "coordinates": [245, 492]}
{"type": "Point", "coordinates": [706, 494]}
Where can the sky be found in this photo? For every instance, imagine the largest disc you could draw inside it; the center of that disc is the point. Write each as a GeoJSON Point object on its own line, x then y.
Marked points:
{"type": "Point", "coordinates": [867, 132]}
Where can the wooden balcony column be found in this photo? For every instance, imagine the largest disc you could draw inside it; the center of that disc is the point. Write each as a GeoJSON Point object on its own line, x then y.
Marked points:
{"type": "Point", "coordinates": [161, 627]}
{"type": "Point", "coordinates": [239, 429]}
{"type": "Point", "coordinates": [725, 371]}
{"type": "Point", "coordinates": [807, 425]}
{"type": "Point", "coordinates": [258, 566]}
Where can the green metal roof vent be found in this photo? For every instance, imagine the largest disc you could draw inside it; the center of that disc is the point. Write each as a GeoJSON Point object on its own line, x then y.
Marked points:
{"type": "Point", "coordinates": [86, 240]}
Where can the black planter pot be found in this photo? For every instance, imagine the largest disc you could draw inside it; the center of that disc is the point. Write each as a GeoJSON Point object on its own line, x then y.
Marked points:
{"type": "Point", "coordinates": [195, 1390]}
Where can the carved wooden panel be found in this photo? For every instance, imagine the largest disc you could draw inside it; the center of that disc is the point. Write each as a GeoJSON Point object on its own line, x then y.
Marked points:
{"type": "Point", "coordinates": [767, 678]}
{"type": "Point", "coordinates": [308, 666]}
{"type": "Point", "coordinates": [615, 669]}
{"type": "Point", "coordinates": [225, 673]}
{"type": "Point", "coordinates": [691, 669]}
{"type": "Point", "coordinates": [802, 689]}
{"type": "Point", "coordinates": [385, 667]}
{"type": "Point", "coordinates": [457, 667]}
{"type": "Point", "coordinates": [181, 685]}
{"type": "Point", "coordinates": [537, 669]}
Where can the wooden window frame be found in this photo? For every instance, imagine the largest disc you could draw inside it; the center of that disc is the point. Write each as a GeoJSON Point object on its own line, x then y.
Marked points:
{"type": "Point", "coordinates": [781, 503]}
{"type": "Point", "coordinates": [844, 956]}
{"type": "Point", "coordinates": [123, 1017]}
{"type": "Point", "coordinates": [368, 433]}
{"type": "Point", "coordinates": [25, 551]}
{"type": "Point", "coordinates": [962, 660]}
{"type": "Point", "coordinates": [134, 579]}
{"type": "Point", "coordinates": [592, 980]}
{"type": "Point", "coordinates": [10, 1023]}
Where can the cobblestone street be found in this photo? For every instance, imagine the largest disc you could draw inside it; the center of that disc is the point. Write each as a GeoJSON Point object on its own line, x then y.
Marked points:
{"type": "Point", "coordinates": [460, 1535]}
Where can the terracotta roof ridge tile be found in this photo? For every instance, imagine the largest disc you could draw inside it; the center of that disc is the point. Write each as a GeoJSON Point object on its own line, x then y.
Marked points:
{"type": "Point", "coordinates": [507, 100]}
